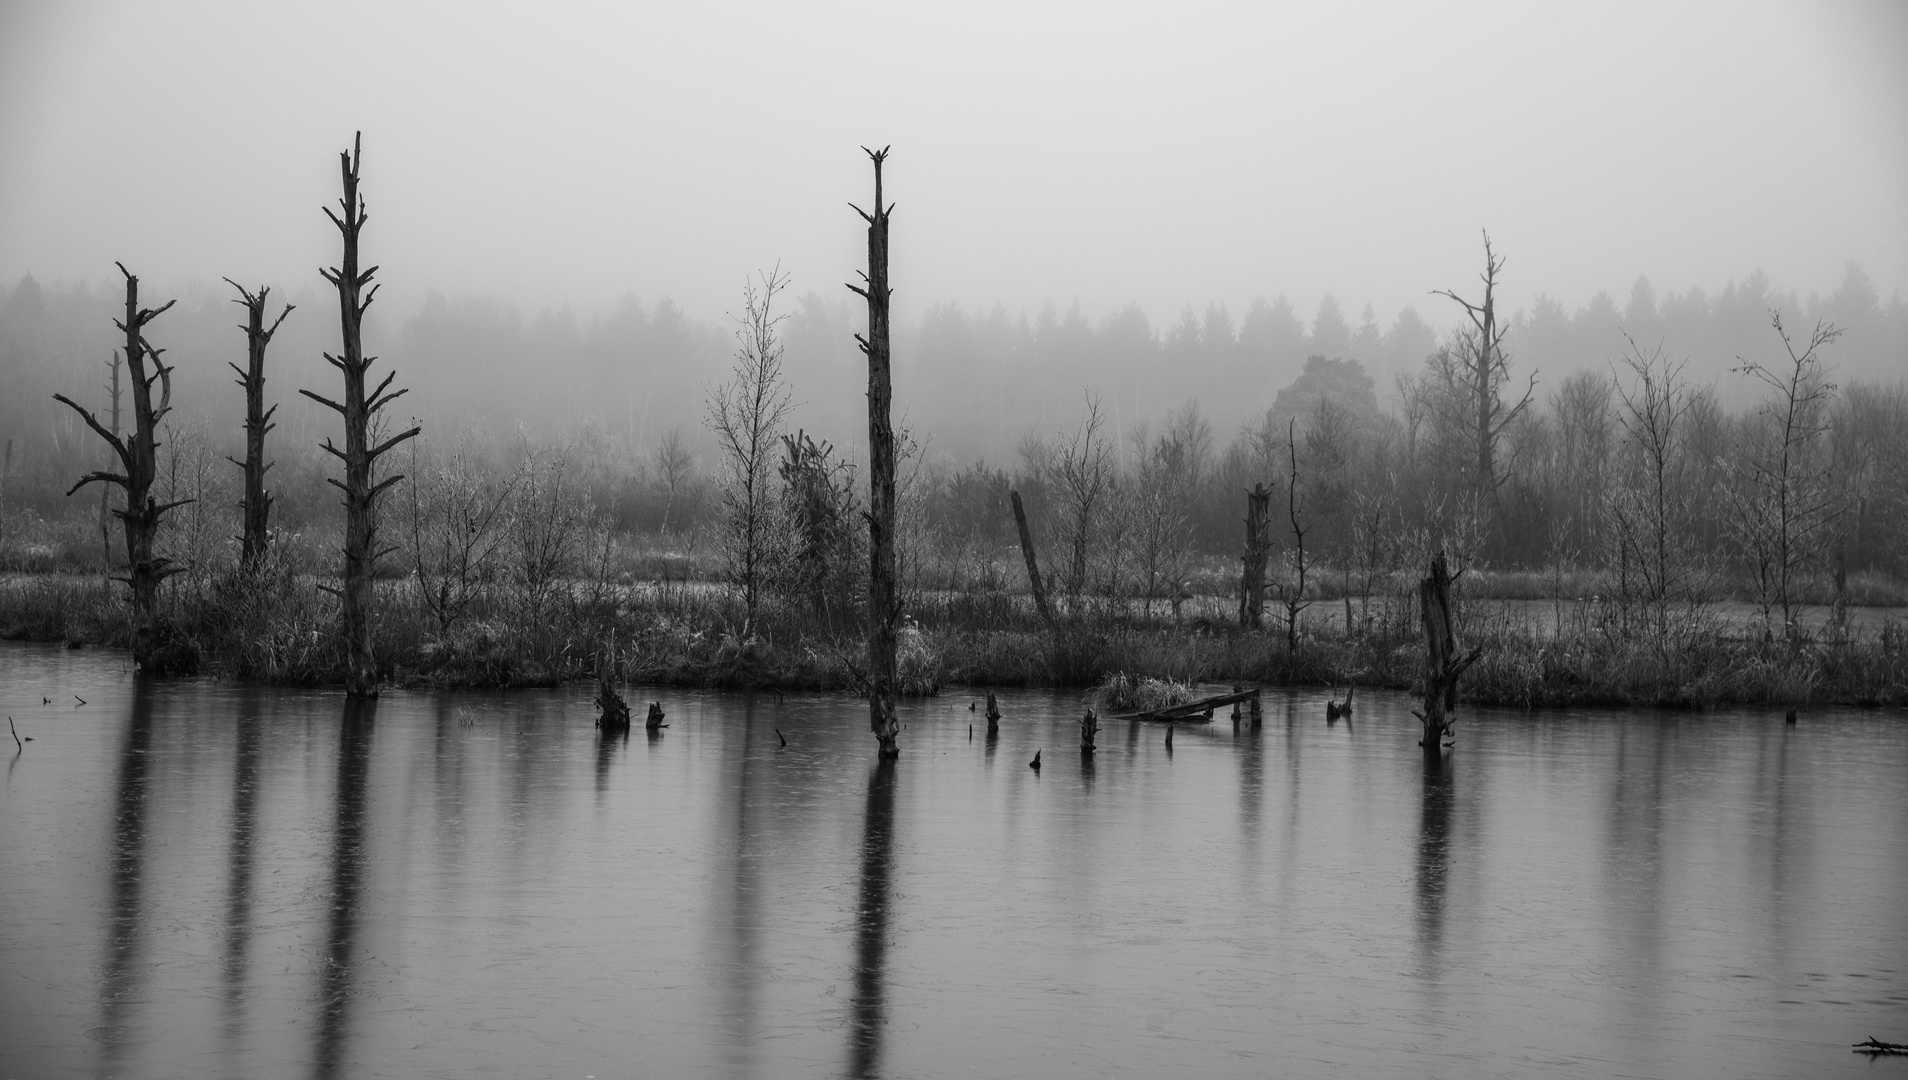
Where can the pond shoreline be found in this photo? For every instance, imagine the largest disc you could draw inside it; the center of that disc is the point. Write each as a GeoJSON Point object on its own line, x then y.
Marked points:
{"type": "Point", "coordinates": [280, 633]}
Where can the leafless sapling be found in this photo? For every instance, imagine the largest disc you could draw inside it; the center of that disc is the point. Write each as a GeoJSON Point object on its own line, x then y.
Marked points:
{"type": "Point", "coordinates": [257, 507]}
{"type": "Point", "coordinates": [359, 411]}
{"type": "Point", "coordinates": [1784, 502]}
{"type": "Point", "coordinates": [1649, 513]}
{"type": "Point", "coordinates": [884, 604]}
{"type": "Point", "coordinates": [138, 460]}
{"type": "Point", "coordinates": [746, 415]}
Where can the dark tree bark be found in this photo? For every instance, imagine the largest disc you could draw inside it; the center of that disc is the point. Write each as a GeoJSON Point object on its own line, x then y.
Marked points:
{"type": "Point", "coordinates": [1033, 562]}
{"type": "Point", "coordinates": [257, 507]}
{"type": "Point", "coordinates": [105, 490]}
{"type": "Point", "coordinates": [884, 605]}
{"type": "Point", "coordinates": [1442, 665]}
{"type": "Point", "coordinates": [1258, 548]}
{"type": "Point", "coordinates": [359, 410]}
{"type": "Point", "coordinates": [138, 458]}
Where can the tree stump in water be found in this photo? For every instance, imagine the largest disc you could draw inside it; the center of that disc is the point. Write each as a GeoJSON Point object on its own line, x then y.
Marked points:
{"type": "Point", "coordinates": [655, 721]}
{"type": "Point", "coordinates": [614, 716]}
{"type": "Point", "coordinates": [1089, 730]}
{"type": "Point", "coordinates": [1442, 665]}
{"type": "Point", "coordinates": [993, 714]}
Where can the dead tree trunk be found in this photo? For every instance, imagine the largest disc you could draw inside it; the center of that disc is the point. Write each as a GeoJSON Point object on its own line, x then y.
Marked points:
{"type": "Point", "coordinates": [884, 605]}
{"type": "Point", "coordinates": [138, 457]}
{"type": "Point", "coordinates": [1295, 601]}
{"type": "Point", "coordinates": [359, 410]}
{"type": "Point", "coordinates": [105, 490]}
{"type": "Point", "coordinates": [1089, 732]}
{"type": "Point", "coordinates": [1258, 548]}
{"type": "Point", "coordinates": [1033, 562]}
{"type": "Point", "coordinates": [1442, 665]}
{"type": "Point", "coordinates": [258, 420]}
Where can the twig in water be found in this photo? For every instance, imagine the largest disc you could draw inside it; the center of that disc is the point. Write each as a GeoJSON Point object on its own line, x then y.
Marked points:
{"type": "Point", "coordinates": [779, 735]}
{"type": "Point", "coordinates": [16, 735]}
{"type": "Point", "coordinates": [1876, 1046]}
{"type": "Point", "coordinates": [79, 699]}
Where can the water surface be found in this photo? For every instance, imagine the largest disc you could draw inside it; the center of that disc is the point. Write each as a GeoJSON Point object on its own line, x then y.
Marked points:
{"type": "Point", "coordinates": [204, 880]}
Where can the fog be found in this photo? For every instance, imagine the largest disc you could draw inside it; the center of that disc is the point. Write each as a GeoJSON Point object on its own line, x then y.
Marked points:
{"type": "Point", "coordinates": [1099, 153]}
{"type": "Point", "coordinates": [565, 206]}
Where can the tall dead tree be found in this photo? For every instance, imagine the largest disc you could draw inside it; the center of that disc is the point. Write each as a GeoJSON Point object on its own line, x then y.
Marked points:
{"type": "Point", "coordinates": [1482, 374]}
{"type": "Point", "coordinates": [257, 507]}
{"type": "Point", "coordinates": [884, 604]}
{"type": "Point", "coordinates": [105, 491]}
{"type": "Point", "coordinates": [1293, 594]}
{"type": "Point", "coordinates": [138, 458]}
{"type": "Point", "coordinates": [1442, 665]}
{"type": "Point", "coordinates": [1258, 549]}
{"type": "Point", "coordinates": [359, 410]}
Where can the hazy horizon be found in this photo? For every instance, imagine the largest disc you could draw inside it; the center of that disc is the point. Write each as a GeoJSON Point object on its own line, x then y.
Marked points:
{"type": "Point", "coordinates": [1090, 155]}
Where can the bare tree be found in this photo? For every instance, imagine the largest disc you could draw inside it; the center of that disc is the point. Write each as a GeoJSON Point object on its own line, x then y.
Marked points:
{"type": "Point", "coordinates": [1784, 501]}
{"type": "Point", "coordinates": [360, 412]}
{"type": "Point", "coordinates": [1649, 514]}
{"type": "Point", "coordinates": [884, 604]}
{"type": "Point", "coordinates": [1082, 463]}
{"type": "Point", "coordinates": [459, 525]}
{"type": "Point", "coordinates": [1482, 373]}
{"type": "Point", "coordinates": [674, 464]}
{"type": "Point", "coordinates": [138, 458]}
{"type": "Point", "coordinates": [257, 507]}
{"type": "Point", "coordinates": [746, 415]}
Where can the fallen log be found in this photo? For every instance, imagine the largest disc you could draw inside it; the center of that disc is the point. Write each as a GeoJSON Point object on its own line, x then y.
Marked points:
{"type": "Point", "coordinates": [1191, 712]}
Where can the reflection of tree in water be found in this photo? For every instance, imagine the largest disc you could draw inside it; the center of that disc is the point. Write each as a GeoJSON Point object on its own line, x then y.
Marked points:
{"type": "Point", "coordinates": [1434, 839]}
{"type": "Point", "coordinates": [125, 936]}
{"type": "Point", "coordinates": [738, 927]}
{"type": "Point", "coordinates": [347, 874]}
{"type": "Point", "coordinates": [238, 892]}
{"type": "Point", "coordinates": [871, 917]}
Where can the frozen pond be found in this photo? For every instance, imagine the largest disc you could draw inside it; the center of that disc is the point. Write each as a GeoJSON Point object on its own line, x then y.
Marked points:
{"type": "Point", "coordinates": [202, 880]}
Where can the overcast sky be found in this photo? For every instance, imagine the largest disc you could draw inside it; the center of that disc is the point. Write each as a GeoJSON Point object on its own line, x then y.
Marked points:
{"type": "Point", "coordinates": [1165, 153]}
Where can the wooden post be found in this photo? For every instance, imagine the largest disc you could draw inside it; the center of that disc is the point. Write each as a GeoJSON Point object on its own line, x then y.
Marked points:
{"type": "Point", "coordinates": [1033, 563]}
{"type": "Point", "coordinates": [138, 457]}
{"type": "Point", "coordinates": [1258, 548]}
{"type": "Point", "coordinates": [1442, 665]}
{"type": "Point", "coordinates": [884, 605]}
{"type": "Point", "coordinates": [257, 507]}
{"type": "Point", "coordinates": [359, 456]}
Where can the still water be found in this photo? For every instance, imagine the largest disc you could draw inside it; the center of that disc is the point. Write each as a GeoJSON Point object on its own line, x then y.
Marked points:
{"type": "Point", "coordinates": [203, 880]}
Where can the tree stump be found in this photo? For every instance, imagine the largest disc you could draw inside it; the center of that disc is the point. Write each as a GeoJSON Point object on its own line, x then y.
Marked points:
{"type": "Point", "coordinates": [1442, 665]}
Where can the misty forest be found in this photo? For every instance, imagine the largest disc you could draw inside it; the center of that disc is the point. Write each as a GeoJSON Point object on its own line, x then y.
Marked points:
{"type": "Point", "coordinates": [1688, 498]}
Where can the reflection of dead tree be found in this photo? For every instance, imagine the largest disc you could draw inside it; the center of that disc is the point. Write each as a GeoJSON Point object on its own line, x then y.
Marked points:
{"type": "Point", "coordinates": [1481, 375]}
{"type": "Point", "coordinates": [258, 421]}
{"type": "Point", "coordinates": [359, 411]}
{"type": "Point", "coordinates": [138, 458]}
{"type": "Point", "coordinates": [1442, 665]}
{"type": "Point", "coordinates": [884, 604]}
